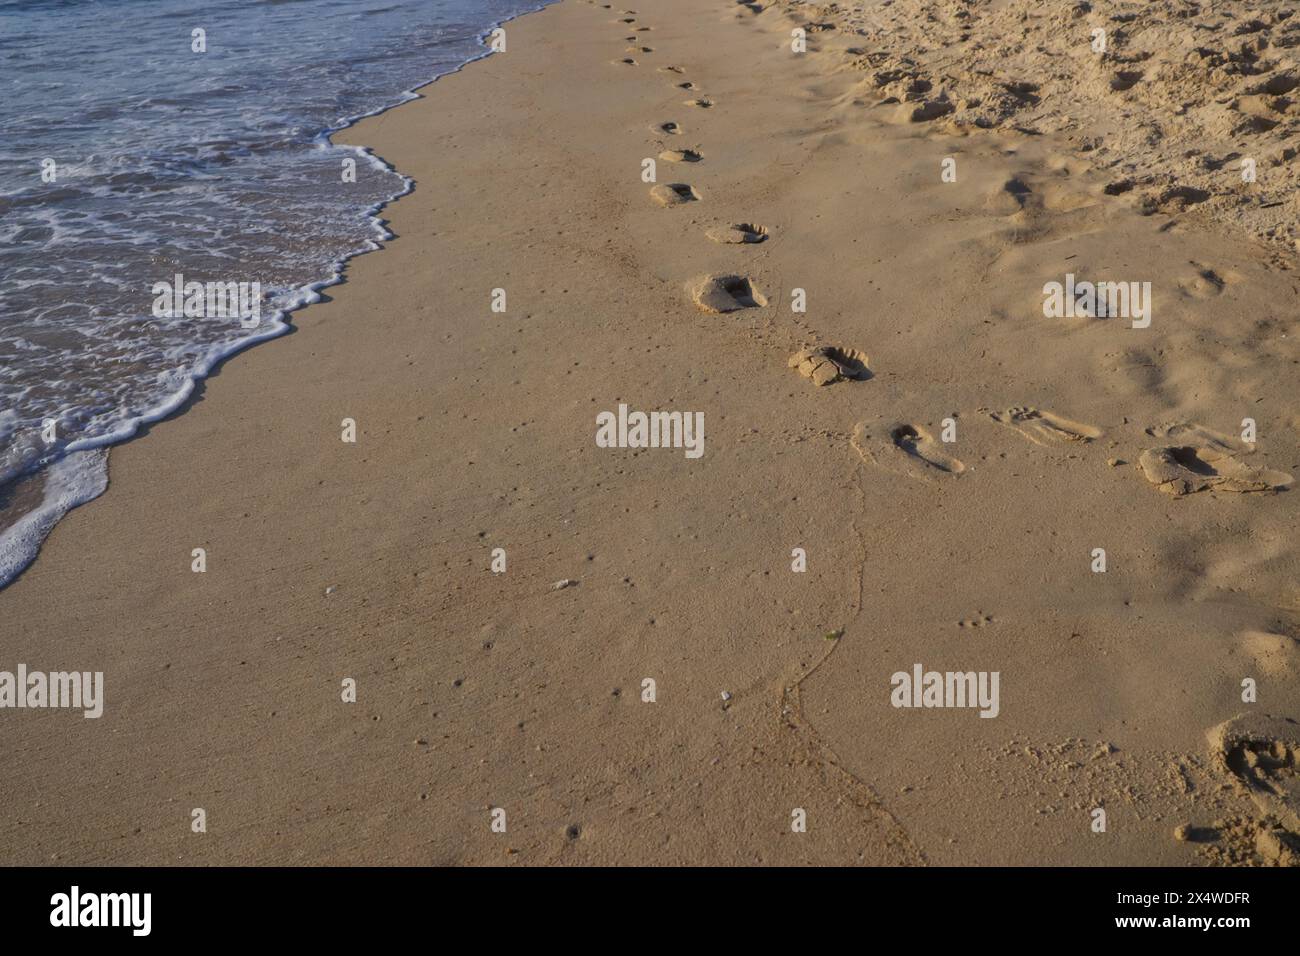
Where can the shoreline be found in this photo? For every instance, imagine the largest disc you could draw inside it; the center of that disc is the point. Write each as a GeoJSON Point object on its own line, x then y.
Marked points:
{"type": "Point", "coordinates": [91, 478]}
{"type": "Point", "coordinates": [372, 561]}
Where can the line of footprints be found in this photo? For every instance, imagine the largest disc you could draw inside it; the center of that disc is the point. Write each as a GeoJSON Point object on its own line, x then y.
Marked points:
{"type": "Point", "coordinates": [721, 293]}
{"type": "Point", "coordinates": [1195, 459]}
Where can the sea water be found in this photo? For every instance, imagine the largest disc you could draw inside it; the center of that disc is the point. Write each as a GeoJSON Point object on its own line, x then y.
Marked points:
{"type": "Point", "coordinates": [145, 139]}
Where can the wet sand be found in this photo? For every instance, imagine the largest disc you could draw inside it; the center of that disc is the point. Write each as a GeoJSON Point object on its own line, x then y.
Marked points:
{"type": "Point", "coordinates": [372, 561]}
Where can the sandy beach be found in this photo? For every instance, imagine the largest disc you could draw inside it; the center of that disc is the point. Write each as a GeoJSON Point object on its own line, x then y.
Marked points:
{"type": "Point", "coordinates": [835, 240]}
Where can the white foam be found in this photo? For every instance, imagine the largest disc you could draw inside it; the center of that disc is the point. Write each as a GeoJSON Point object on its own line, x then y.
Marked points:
{"type": "Point", "coordinates": [72, 480]}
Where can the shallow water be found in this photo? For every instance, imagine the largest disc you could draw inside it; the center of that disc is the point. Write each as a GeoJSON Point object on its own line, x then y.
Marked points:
{"type": "Point", "coordinates": [128, 157]}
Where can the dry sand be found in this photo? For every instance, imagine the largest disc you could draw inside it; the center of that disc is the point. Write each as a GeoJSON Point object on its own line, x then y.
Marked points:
{"type": "Point", "coordinates": [1168, 100]}
{"type": "Point", "coordinates": [372, 561]}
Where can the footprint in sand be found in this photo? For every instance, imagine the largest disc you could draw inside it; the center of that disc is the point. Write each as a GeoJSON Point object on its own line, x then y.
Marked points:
{"type": "Point", "coordinates": [825, 364]}
{"type": "Point", "coordinates": [738, 233]}
{"type": "Point", "coordinates": [726, 293]}
{"type": "Point", "coordinates": [923, 111]}
{"type": "Point", "coordinates": [1171, 200]}
{"type": "Point", "coordinates": [688, 85]}
{"type": "Point", "coordinates": [1206, 283]}
{"type": "Point", "coordinates": [1198, 459]}
{"type": "Point", "coordinates": [671, 128]}
{"type": "Point", "coordinates": [1257, 754]}
{"type": "Point", "coordinates": [906, 448]}
{"type": "Point", "coordinates": [626, 61]}
{"type": "Point", "coordinates": [1044, 428]}
{"type": "Point", "coordinates": [919, 443]}
{"type": "Point", "coordinates": [1125, 80]}
{"type": "Point", "coordinates": [674, 194]}
{"type": "Point", "coordinates": [639, 49]}
{"type": "Point", "coordinates": [671, 69]}
{"type": "Point", "coordinates": [1018, 200]}
{"type": "Point", "coordinates": [1008, 199]}
{"type": "Point", "coordinates": [681, 155]}
{"type": "Point", "coordinates": [703, 103]}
